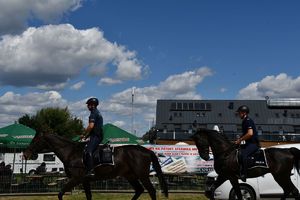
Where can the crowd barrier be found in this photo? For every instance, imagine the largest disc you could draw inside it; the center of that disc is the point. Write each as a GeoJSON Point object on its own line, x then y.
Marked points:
{"type": "Point", "coordinates": [22, 183]}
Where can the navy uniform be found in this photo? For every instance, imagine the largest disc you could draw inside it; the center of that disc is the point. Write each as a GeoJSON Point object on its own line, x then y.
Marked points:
{"type": "Point", "coordinates": [95, 134]}
{"type": "Point", "coordinates": [251, 144]}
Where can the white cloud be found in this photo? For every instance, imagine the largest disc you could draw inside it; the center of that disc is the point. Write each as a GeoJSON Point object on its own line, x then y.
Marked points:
{"type": "Point", "coordinates": [223, 90]}
{"type": "Point", "coordinates": [77, 86]}
{"type": "Point", "coordinates": [117, 109]}
{"type": "Point", "coordinates": [278, 86]}
{"type": "Point", "coordinates": [179, 86]}
{"type": "Point", "coordinates": [51, 55]}
{"type": "Point", "coordinates": [14, 14]}
{"type": "Point", "coordinates": [109, 81]}
{"type": "Point", "coordinates": [14, 106]}
{"type": "Point", "coordinates": [119, 123]}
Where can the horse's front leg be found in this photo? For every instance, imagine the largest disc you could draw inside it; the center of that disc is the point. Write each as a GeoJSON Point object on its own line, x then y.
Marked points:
{"type": "Point", "coordinates": [68, 187]}
{"type": "Point", "coordinates": [220, 180]}
{"type": "Point", "coordinates": [236, 187]}
{"type": "Point", "coordinates": [87, 190]}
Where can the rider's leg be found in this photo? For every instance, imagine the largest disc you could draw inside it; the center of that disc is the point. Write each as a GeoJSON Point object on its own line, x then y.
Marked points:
{"type": "Point", "coordinates": [90, 148]}
{"type": "Point", "coordinates": [246, 151]}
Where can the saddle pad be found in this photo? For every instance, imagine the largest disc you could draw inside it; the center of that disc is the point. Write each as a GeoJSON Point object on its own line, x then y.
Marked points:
{"type": "Point", "coordinates": [258, 159]}
{"type": "Point", "coordinates": [104, 155]}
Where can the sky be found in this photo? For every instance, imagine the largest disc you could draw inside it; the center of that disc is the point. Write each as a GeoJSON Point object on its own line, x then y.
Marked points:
{"type": "Point", "coordinates": [59, 53]}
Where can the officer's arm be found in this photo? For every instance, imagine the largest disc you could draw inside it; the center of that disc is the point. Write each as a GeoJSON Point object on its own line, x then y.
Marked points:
{"type": "Point", "coordinates": [248, 135]}
{"type": "Point", "coordinates": [89, 127]}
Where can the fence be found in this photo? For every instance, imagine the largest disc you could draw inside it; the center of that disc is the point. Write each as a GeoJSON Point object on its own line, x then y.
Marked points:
{"type": "Point", "coordinates": [53, 183]}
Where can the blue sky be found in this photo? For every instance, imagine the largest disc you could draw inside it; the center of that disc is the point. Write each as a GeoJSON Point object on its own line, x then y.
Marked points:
{"type": "Point", "coordinates": [59, 53]}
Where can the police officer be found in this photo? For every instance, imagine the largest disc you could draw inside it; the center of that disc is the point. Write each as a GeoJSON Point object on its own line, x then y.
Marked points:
{"type": "Point", "coordinates": [94, 132]}
{"type": "Point", "coordinates": [249, 136]}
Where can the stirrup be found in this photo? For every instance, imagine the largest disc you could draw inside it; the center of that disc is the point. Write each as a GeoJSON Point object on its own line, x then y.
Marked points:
{"type": "Point", "coordinates": [90, 173]}
{"type": "Point", "coordinates": [243, 177]}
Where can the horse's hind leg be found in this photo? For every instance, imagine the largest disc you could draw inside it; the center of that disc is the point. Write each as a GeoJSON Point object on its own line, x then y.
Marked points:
{"type": "Point", "coordinates": [287, 185]}
{"type": "Point", "coordinates": [148, 185]}
{"type": "Point", "coordinates": [68, 187]}
{"type": "Point", "coordinates": [138, 188]}
{"type": "Point", "coordinates": [87, 190]}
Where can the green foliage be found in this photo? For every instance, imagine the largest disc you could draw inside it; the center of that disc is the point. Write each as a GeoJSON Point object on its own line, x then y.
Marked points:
{"type": "Point", "coordinates": [55, 120]}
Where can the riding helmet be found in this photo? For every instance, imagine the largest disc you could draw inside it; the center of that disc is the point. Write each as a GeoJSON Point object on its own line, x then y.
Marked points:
{"type": "Point", "coordinates": [93, 100]}
{"type": "Point", "coordinates": [243, 108]}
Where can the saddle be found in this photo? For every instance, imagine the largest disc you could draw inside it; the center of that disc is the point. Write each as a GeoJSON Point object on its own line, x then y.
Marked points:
{"type": "Point", "coordinates": [257, 159]}
{"type": "Point", "coordinates": [103, 155]}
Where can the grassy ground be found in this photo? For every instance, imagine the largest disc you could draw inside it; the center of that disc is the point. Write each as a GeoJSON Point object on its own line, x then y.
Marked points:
{"type": "Point", "coordinates": [106, 196]}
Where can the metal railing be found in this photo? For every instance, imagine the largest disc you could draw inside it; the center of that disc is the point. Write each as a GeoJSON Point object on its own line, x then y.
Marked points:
{"type": "Point", "coordinates": [49, 183]}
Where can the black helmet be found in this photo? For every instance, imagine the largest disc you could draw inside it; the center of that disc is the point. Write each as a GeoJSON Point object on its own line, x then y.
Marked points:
{"type": "Point", "coordinates": [92, 101]}
{"type": "Point", "coordinates": [243, 108]}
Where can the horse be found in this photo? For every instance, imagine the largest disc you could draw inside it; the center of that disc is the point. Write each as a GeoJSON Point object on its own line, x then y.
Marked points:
{"type": "Point", "coordinates": [280, 162]}
{"type": "Point", "coordinates": [130, 161]}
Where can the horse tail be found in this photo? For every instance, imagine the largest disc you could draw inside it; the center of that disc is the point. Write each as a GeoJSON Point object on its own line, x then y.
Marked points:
{"type": "Point", "coordinates": [159, 173]}
{"type": "Point", "coordinates": [296, 154]}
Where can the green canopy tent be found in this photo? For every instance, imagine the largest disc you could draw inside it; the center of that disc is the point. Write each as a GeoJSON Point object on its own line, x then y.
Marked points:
{"type": "Point", "coordinates": [116, 135]}
{"type": "Point", "coordinates": [16, 136]}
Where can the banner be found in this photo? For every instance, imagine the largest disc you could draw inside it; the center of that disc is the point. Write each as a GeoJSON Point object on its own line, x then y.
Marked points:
{"type": "Point", "coordinates": [176, 159]}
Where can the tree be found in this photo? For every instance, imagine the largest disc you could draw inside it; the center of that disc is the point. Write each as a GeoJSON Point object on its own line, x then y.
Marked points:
{"type": "Point", "coordinates": [150, 135]}
{"type": "Point", "coordinates": [55, 120]}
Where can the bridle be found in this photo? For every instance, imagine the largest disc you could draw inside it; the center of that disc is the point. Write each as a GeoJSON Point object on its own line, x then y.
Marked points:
{"type": "Point", "coordinates": [35, 145]}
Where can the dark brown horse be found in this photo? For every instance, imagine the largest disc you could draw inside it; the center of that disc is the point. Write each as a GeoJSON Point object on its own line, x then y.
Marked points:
{"type": "Point", "coordinates": [131, 162]}
{"type": "Point", "coordinates": [280, 162]}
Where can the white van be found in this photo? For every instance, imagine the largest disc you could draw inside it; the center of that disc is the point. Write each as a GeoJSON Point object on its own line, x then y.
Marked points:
{"type": "Point", "coordinates": [255, 188]}
{"type": "Point", "coordinates": [53, 163]}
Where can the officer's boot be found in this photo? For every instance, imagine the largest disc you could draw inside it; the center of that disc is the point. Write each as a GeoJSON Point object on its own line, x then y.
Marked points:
{"type": "Point", "coordinates": [89, 165]}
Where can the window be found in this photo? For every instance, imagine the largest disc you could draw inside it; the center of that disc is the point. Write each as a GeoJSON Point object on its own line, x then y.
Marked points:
{"type": "Point", "coordinates": [208, 106]}
{"type": "Point", "coordinates": [197, 106]}
{"type": "Point", "coordinates": [49, 157]}
{"type": "Point", "coordinates": [191, 106]}
{"type": "Point", "coordinates": [202, 106]}
{"type": "Point", "coordinates": [231, 105]}
{"type": "Point", "coordinates": [185, 106]}
{"type": "Point", "coordinates": [173, 106]}
{"type": "Point", "coordinates": [179, 106]}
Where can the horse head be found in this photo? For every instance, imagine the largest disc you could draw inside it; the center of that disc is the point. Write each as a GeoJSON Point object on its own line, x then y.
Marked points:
{"type": "Point", "coordinates": [37, 145]}
{"type": "Point", "coordinates": [201, 140]}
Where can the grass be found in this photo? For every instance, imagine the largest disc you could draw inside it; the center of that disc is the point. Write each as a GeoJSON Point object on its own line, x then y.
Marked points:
{"type": "Point", "coordinates": [109, 196]}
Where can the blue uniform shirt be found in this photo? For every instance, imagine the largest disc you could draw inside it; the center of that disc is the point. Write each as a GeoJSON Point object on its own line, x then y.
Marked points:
{"type": "Point", "coordinates": [96, 118]}
{"type": "Point", "coordinates": [249, 124]}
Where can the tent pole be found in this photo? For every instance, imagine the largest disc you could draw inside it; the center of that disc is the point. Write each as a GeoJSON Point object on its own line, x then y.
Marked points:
{"type": "Point", "coordinates": [13, 169]}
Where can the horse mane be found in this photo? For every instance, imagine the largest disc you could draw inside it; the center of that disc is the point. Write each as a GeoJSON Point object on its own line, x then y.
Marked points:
{"type": "Point", "coordinates": [221, 135]}
{"type": "Point", "coordinates": [78, 145]}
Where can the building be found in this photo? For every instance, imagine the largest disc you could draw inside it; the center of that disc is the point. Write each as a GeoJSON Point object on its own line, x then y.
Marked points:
{"type": "Point", "coordinates": [276, 119]}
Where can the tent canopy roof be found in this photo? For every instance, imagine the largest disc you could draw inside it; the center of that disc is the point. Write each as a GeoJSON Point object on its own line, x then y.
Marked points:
{"type": "Point", "coordinates": [116, 135]}
{"type": "Point", "coordinates": [16, 135]}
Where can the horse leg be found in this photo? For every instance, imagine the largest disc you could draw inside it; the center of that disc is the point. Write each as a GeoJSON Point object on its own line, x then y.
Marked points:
{"type": "Point", "coordinates": [87, 189]}
{"type": "Point", "coordinates": [287, 185]}
{"type": "Point", "coordinates": [236, 187]}
{"type": "Point", "coordinates": [148, 185]}
{"type": "Point", "coordinates": [220, 180]}
{"type": "Point", "coordinates": [68, 187]}
{"type": "Point", "coordinates": [138, 188]}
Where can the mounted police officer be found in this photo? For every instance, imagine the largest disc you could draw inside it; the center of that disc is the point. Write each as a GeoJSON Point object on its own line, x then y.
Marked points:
{"type": "Point", "coordinates": [250, 137]}
{"type": "Point", "coordinates": [94, 132]}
